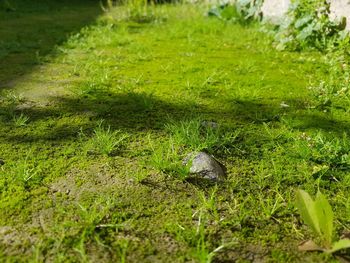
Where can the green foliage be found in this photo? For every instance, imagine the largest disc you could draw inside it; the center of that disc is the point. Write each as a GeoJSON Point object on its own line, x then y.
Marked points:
{"type": "Point", "coordinates": [252, 206]}
{"type": "Point", "coordinates": [333, 91]}
{"type": "Point", "coordinates": [318, 215]}
{"type": "Point", "coordinates": [339, 245]}
{"type": "Point", "coordinates": [242, 11]}
{"type": "Point", "coordinates": [167, 158]}
{"type": "Point", "coordinates": [20, 120]}
{"type": "Point", "coordinates": [7, 6]}
{"type": "Point", "coordinates": [202, 251]}
{"type": "Point", "coordinates": [25, 173]}
{"type": "Point", "coordinates": [197, 237]}
{"type": "Point", "coordinates": [140, 11]}
{"type": "Point", "coordinates": [199, 135]}
{"type": "Point", "coordinates": [185, 137]}
{"type": "Point", "coordinates": [331, 153]}
{"type": "Point", "coordinates": [307, 25]}
{"type": "Point", "coordinates": [105, 141]}
{"type": "Point", "coordinates": [123, 246]}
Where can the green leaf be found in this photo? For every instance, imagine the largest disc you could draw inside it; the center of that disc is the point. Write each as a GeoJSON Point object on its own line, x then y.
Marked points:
{"type": "Point", "coordinates": [303, 21]}
{"type": "Point", "coordinates": [307, 210]}
{"type": "Point", "coordinates": [341, 244]}
{"type": "Point", "coordinates": [325, 217]}
{"type": "Point", "coordinates": [305, 32]}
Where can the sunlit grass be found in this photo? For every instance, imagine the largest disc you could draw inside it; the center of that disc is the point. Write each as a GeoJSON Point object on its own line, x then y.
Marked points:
{"type": "Point", "coordinates": [83, 190]}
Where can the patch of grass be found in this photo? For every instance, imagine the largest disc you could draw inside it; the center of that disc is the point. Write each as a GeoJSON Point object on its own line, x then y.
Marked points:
{"type": "Point", "coordinates": [327, 154]}
{"type": "Point", "coordinates": [20, 120]}
{"type": "Point", "coordinates": [187, 83]}
{"type": "Point", "coordinates": [24, 171]}
{"type": "Point", "coordinates": [104, 141]}
{"type": "Point", "coordinates": [167, 158]}
{"type": "Point", "coordinates": [199, 135]}
{"type": "Point", "coordinates": [139, 11]}
{"type": "Point", "coordinates": [25, 25]}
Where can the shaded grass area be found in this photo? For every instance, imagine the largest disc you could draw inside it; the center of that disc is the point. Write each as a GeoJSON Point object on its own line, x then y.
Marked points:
{"type": "Point", "coordinates": [29, 31]}
{"type": "Point", "coordinates": [66, 199]}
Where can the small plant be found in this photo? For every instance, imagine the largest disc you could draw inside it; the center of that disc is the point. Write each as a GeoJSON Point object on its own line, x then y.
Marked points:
{"type": "Point", "coordinates": [324, 95]}
{"type": "Point", "coordinates": [209, 204]}
{"type": "Point", "coordinates": [318, 215]}
{"type": "Point", "coordinates": [20, 120]}
{"type": "Point", "coordinates": [166, 158]}
{"type": "Point", "coordinates": [10, 100]}
{"type": "Point", "coordinates": [140, 175]}
{"type": "Point", "coordinates": [139, 11]}
{"type": "Point", "coordinates": [105, 141]}
{"type": "Point", "coordinates": [202, 252]}
{"type": "Point", "coordinates": [333, 92]}
{"type": "Point", "coordinates": [108, 6]}
{"type": "Point", "coordinates": [270, 206]}
{"type": "Point", "coordinates": [87, 89]}
{"type": "Point", "coordinates": [122, 250]}
{"type": "Point", "coordinates": [242, 11]}
{"type": "Point", "coordinates": [198, 135]}
{"type": "Point", "coordinates": [142, 101]}
{"type": "Point", "coordinates": [200, 240]}
{"type": "Point", "coordinates": [25, 172]}
{"type": "Point", "coordinates": [306, 25]}
{"type": "Point", "coordinates": [321, 150]}
{"type": "Point", "coordinates": [13, 98]}
{"type": "Point", "coordinates": [196, 236]}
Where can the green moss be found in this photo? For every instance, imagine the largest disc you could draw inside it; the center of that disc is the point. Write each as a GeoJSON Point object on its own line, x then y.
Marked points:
{"type": "Point", "coordinates": [74, 205]}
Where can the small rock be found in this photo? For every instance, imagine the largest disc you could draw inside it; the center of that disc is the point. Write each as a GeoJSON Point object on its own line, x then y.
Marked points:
{"type": "Point", "coordinates": [210, 124]}
{"type": "Point", "coordinates": [2, 162]}
{"type": "Point", "coordinates": [25, 106]}
{"type": "Point", "coordinates": [205, 166]}
{"type": "Point", "coordinates": [284, 105]}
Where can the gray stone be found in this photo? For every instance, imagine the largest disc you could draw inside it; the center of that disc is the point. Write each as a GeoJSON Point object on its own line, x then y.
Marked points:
{"type": "Point", "coordinates": [210, 124]}
{"type": "Point", "coordinates": [339, 9]}
{"type": "Point", "coordinates": [205, 166]}
{"type": "Point", "coordinates": [275, 10]}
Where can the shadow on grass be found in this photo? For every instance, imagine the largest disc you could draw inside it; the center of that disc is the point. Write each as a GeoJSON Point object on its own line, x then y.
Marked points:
{"type": "Point", "coordinates": [32, 29]}
{"type": "Point", "coordinates": [63, 120]}
{"type": "Point", "coordinates": [139, 112]}
{"type": "Point", "coordinates": [298, 114]}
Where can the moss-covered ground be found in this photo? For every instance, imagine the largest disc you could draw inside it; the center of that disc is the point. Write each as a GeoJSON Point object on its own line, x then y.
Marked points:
{"type": "Point", "coordinates": [94, 126]}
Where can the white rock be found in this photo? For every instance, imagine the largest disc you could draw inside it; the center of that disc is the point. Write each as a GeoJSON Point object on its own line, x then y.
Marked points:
{"type": "Point", "coordinates": [274, 10]}
{"type": "Point", "coordinates": [205, 166]}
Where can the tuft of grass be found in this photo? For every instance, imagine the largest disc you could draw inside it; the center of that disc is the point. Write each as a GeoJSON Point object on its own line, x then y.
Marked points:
{"type": "Point", "coordinates": [140, 175]}
{"type": "Point", "coordinates": [139, 11]}
{"type": "Point", "coordinates": [199, 135]}
{"type": "Point", "coordinates": [123, 245]}
{"type": "Point", "coordinates": [24, 172]}
{"type": "Point", "coordinates": [323, 151]}
{"type": "Point", "coordinates": [142, 101]}
{"type": "Point", "coordinates": [13, 97]}
{"type": "Point", "coordinates": [20, 120]}
{"type": "Point", "coordinates": [166, 157]}
{"type": "Point", "coordinates": [106, 142]}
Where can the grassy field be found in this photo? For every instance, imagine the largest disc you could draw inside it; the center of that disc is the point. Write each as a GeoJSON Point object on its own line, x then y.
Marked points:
{"type": "Point", "coordinates": [97, 112]}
